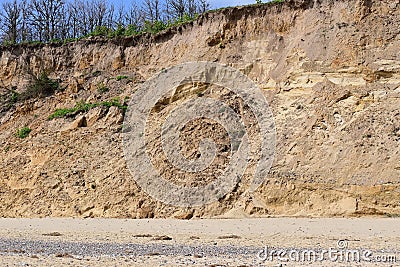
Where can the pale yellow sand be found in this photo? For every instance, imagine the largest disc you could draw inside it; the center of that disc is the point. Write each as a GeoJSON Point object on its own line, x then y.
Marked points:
{"type": "Point", "coordinates": [373, 234]}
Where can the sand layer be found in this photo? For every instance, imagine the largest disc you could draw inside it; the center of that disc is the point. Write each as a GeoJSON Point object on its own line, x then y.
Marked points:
{"type": "Point", "coordinates": [111, 242]}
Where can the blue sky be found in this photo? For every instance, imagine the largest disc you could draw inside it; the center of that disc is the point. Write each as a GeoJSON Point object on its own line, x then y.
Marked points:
{"type": "Point", "coordinates": [225, 3]}
{"type": "Point", "coordinates": [214, 3]}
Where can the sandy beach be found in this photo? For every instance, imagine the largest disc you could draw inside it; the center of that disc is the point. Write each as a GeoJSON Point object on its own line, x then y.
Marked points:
{"type": "Point", "coordinates": [211, 242]}
{"type": "Point", "coordinates": [264, 132]}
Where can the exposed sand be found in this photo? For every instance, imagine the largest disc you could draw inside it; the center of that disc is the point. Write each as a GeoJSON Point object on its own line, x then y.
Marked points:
{"type": "Point", "coordinates": [111, 242]}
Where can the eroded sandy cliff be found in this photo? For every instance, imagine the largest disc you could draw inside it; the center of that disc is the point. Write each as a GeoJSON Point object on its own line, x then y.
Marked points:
{"type": "Point", "coordinates": [329, 69]}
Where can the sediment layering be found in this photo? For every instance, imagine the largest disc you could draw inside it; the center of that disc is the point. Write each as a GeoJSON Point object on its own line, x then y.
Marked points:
{"type": "Point", "coordinates": [329, 69]}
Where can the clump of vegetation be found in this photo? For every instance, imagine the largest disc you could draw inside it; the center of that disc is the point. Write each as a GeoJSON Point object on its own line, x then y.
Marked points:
{"type": "Point", "coordinates": [154, 27]}
{"type": "Point", "coordinates": [276, 1]}
{"type": "Point", "coordinates": [131, 30]}
{"type": "Point", "coordinates": [102, 88]}
{"type": "Point", "coordinates": [148, 27]}
{"type": "Point", "coordinates": [120, 31]}
{"type": "Point", "coordinates": [70, 39]}
{"type": "Point", "coordinates": [62, 112]}
{"type": "Point", "coordinates": [8, 97]}
{"type": "Point", "coordinates": [100, 31]}
{"type": "Point", "coordinates": [12, 98]}
{"type": "Point", "coordinates": [115, 102]}
{"type": "Point", "coordinates": [23, 132]}
{"type": "Point", "coordinates": [120, 78]}
{"type": "Point", "coordinates": [82, 107]}
{"type": "Point", "coordinates": [258, 2]}
{"type": "Point", "coordinates": [41, 86]}
{"type": "Point", "coordinates": [96, 73]}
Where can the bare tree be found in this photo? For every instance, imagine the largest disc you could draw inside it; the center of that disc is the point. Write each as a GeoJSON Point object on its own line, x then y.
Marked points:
{"type": "Point", "coordinates": [44, 20]}
{"type": "Point", "coordinates": [176, 8]}
{"type": "Point", "coordinates": [25, 30]}
{"type": "Point", "coordinates": [119, 17]}
{"type": "Point", "coordinates": [85, 17]}
{"type": "Point", "coordinates": [203, 6]}
{"type": "Point", "coordinates": [100, 10]}
{"type": "Point", "coordinates": [10, 16]}
{"type": "Point", "coordinates": [134, 15]}
{"type": "Point", "coordinates": [46, 17]}
{"type": "Point", "coordinates": [74, 19]}
{"type": "Point", "coordinates": [110, 19]}
{"type": "Point", "coordinates": [191, 8]}
{"type": "Point", "coordinates": [180, 8]}
{"type": "Point", "coordinates": [64, 28]}
{"type": "Point", "coordinates": [152, 10]}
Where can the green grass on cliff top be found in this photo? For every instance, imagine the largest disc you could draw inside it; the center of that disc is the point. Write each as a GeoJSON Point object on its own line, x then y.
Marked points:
{"type": "Point", "coordinates": [131, 30]}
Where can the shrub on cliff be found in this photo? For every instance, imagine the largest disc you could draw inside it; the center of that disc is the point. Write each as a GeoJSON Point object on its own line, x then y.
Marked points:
{"type": "Point", "coordinates": [23, 132]}
{"type": "Point", "coordinates": [82, 107]}
{"type": "Point", "coordinates": [40, 86]}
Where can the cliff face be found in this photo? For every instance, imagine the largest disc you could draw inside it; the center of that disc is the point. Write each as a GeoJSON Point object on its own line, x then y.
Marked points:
{"type": "Point", "coordinates": [329, 69]}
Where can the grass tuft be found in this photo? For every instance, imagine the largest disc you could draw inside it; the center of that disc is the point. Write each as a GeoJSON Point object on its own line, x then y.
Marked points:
{"type": "Point", "coordinates": [83, 107]}
{"type": "Point", "coordinates": [23, 132]}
